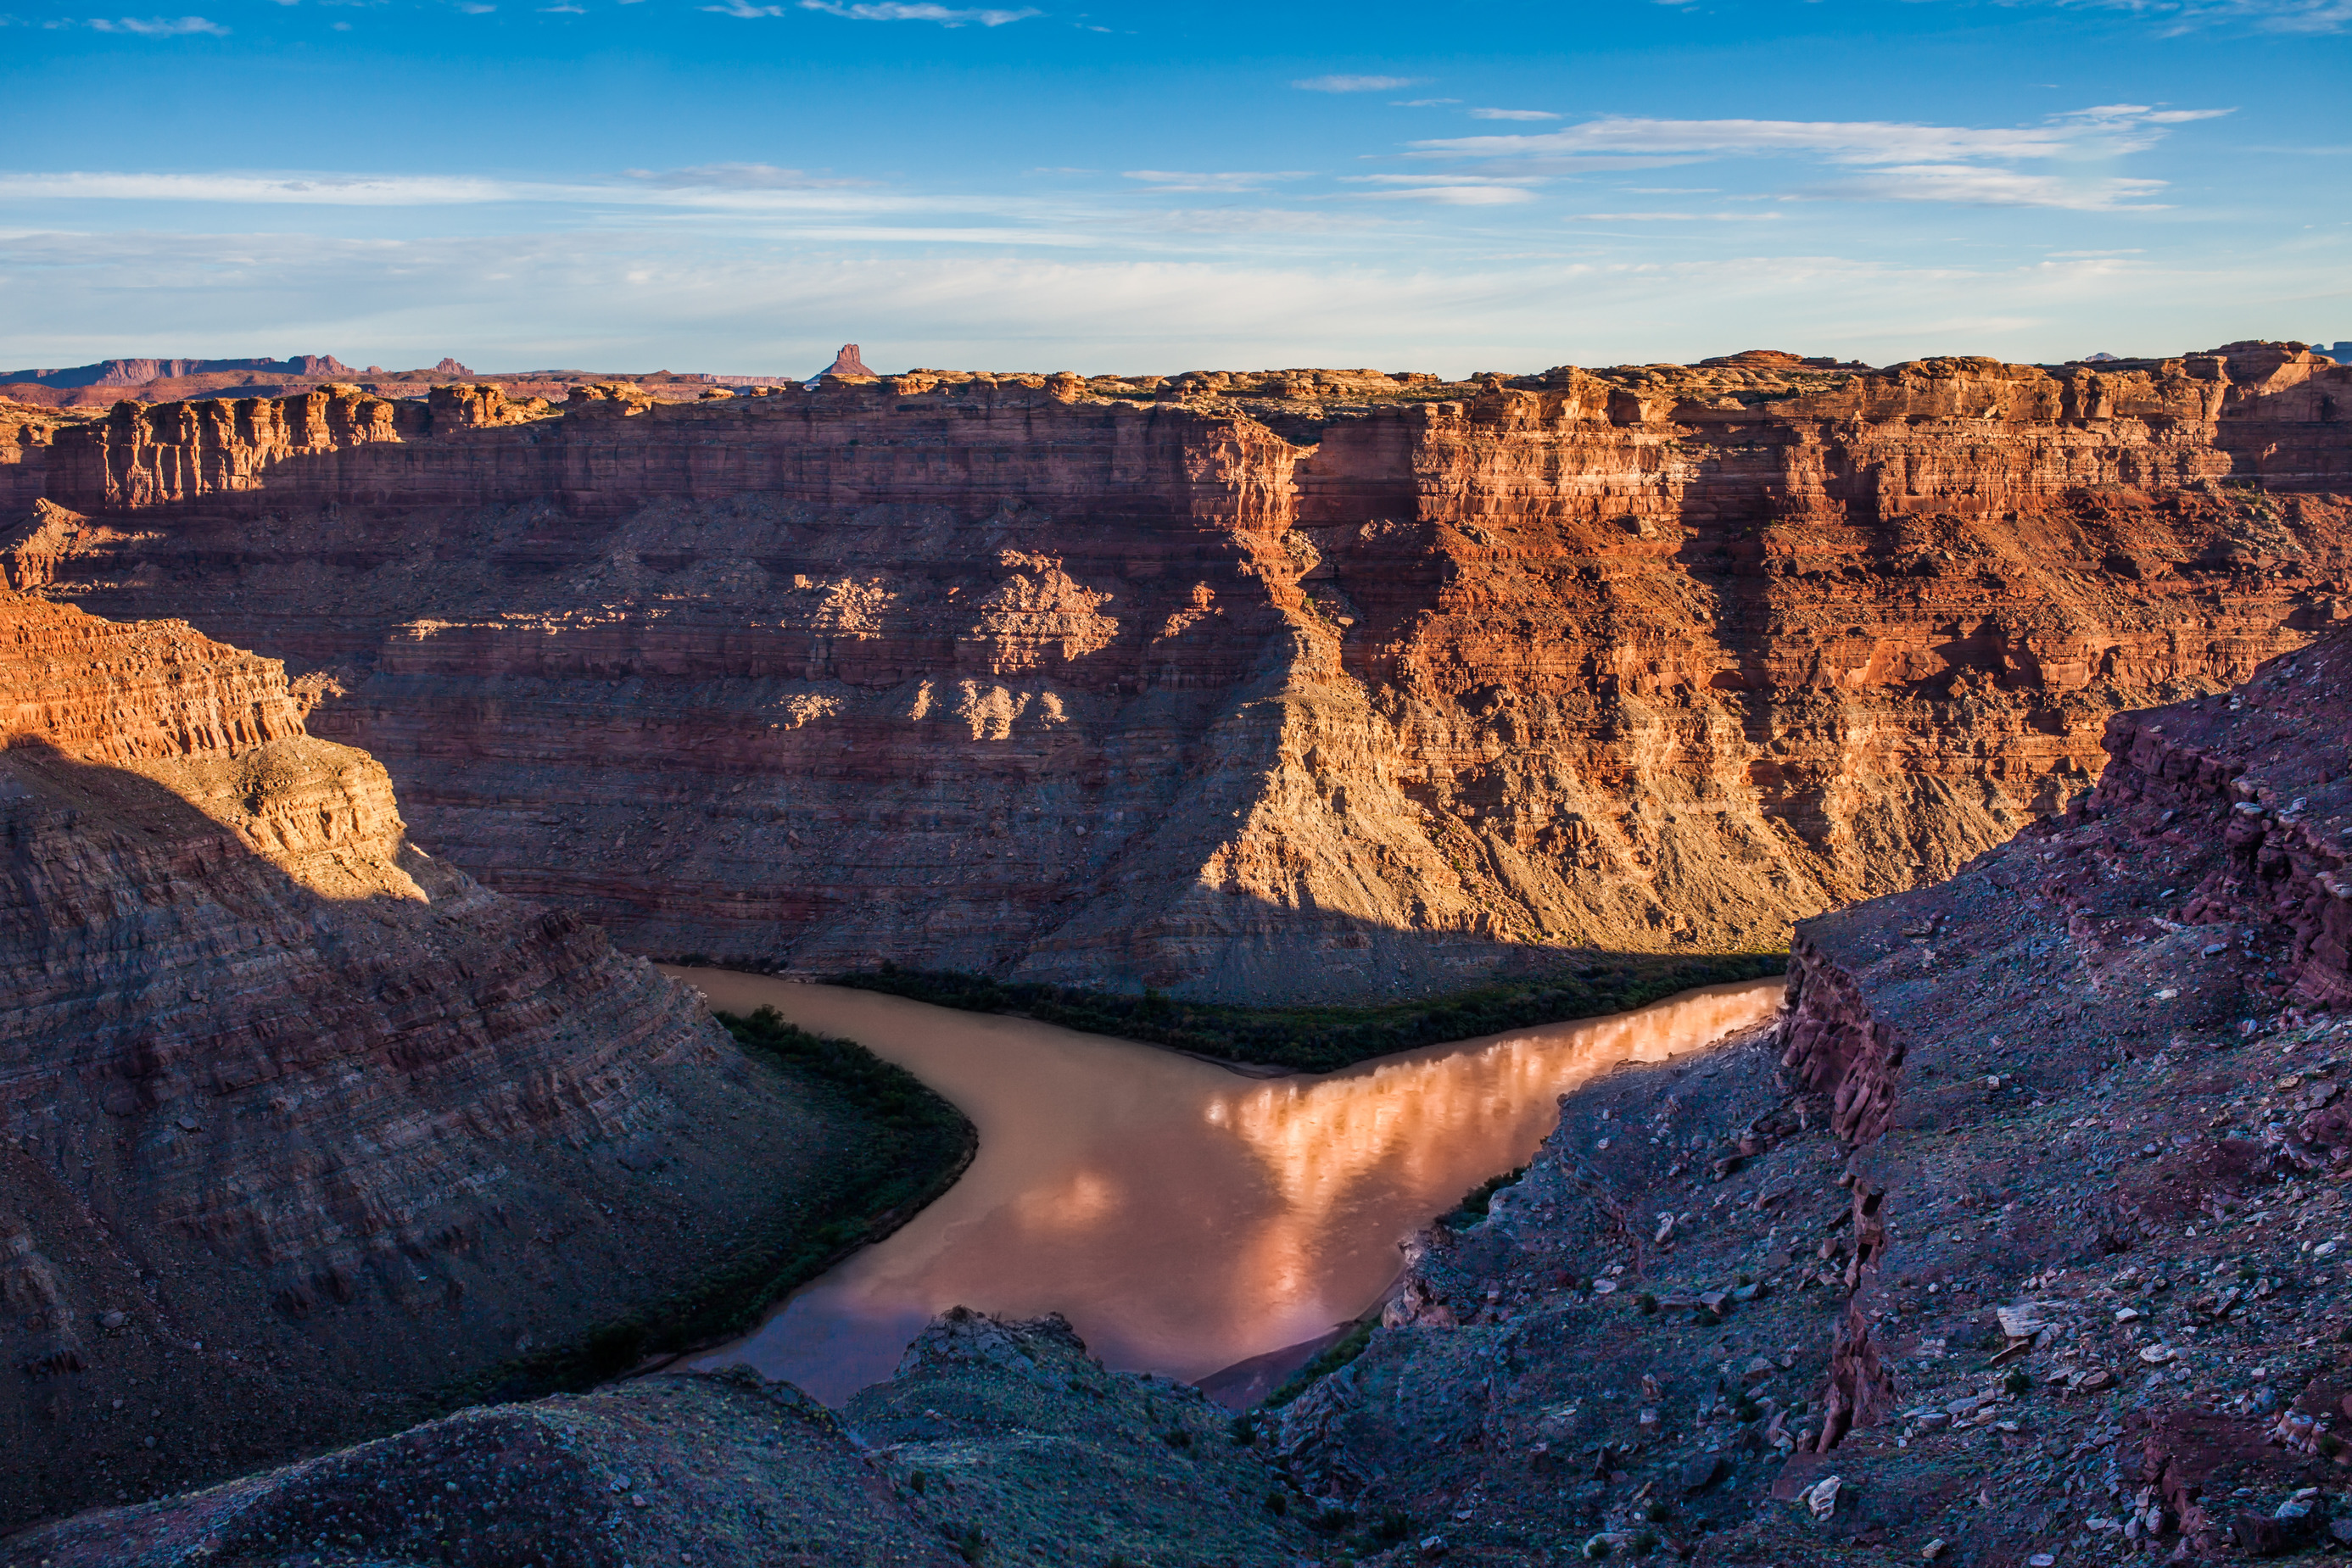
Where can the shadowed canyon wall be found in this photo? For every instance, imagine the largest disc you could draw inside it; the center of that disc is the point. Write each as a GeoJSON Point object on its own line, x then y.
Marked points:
{"type": "Point", "coordinates": [296, 1120]}
{"type": "Point", "coordinates": [1282, 685]}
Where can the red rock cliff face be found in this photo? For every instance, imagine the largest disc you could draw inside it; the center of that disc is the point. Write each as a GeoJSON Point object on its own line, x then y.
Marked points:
{"type": "Point", "coordinates": [1314, 684]}
{"type": "Point", "coordinates": [2055, 965]}
{"type": "Point", "coordinates": [292, 1116]}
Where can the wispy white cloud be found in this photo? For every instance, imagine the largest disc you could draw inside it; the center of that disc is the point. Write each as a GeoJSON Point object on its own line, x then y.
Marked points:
{"type": "Point", "coordinates": [738, 177]}
{"type": "Point", "coordinates": [744, 189]}
{"type": "Point", "coordinates": [1513, 114]}
{"type": "Point", "coordinates": [1422, 102]}
{"type": "Point", "coordinates": [1445, 190]}
{"type": "Point", "coordinates": [2176, 17]}
{"type": "Point", "coordinates": [1893, 160]}
{"type": "Point", "coordinates": [1230, 180]}
{"type": "Point", "coordinates": [329, 190]}
{"type": "Point", "coordinates": [1454, 195]}
{"type": "Point", "coordinates": [945, 16]}
{"type": "Point", "coordinates": [1353, 84]}
{"type": "Point", "coordinates": [159, 27]}
{"type": "Point", "coordinates": [1671, 217]}
{"type": "Point", "coordinates": [1975, 186]}
{"type": "Point", "coordinates": [1253, 221]}
{"type": "Point", "coordinates": [1441, 179]}
{"type": "Point", "coordinates": [2107, 130]}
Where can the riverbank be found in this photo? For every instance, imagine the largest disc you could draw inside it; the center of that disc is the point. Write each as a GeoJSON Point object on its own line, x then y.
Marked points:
{"type": "Point", "coordinates": [914, 1147]}
{"type": "Point", "coordinates": [1328, 1039]}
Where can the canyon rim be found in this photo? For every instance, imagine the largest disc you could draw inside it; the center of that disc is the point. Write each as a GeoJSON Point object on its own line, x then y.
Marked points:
{"type": "Point", "coordinates": [1291, 686]}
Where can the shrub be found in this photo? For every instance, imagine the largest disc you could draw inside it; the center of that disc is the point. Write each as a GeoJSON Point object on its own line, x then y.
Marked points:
{"type": "Point", "coordinates": [1331, 1360]}
{"type": "Point", "coordinates": [1324, 1038]}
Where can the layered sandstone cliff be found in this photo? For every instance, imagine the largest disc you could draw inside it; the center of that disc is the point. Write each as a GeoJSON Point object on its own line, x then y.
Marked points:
{"type": "Point", "coordinates": [298, 1122]}
{"type": "Point", "coordinates": [1293, 684]}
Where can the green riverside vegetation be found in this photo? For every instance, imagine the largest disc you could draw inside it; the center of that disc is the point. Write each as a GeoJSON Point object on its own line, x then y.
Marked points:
{"type": "Point", "coordinates": [1325, 1039]}
{"type": "Point", "coordinates": [918, 1145]}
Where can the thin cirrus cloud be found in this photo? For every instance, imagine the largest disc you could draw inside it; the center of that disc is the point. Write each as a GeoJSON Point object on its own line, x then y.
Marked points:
{"type": "Point", "coordinates": [1452, 195]}
{"type": "Point", "coordinates": [1893, 160]}
{"type": "Point", "coordinates": [1671, 217]}
{"type": "Point", "coordinates": [1353, 84]}
{"type": "Point", "coordinates": [2177, 17]}
{"type": "Point", "coordinates": [1230, 180]}
{"type": "Point", "coordinates": [750, 190]}
{"type": "Point", "coordinates": [160, 26]}
{"type": "Point", "coordinates": [1444, 189]}
{"type": "Point", "coordinates": [2107, 130]}
{"type": "Point", "coordinates": [1979, 187]}
{"type": "Point", "coordinates": [888, 11]}
{"type": "Point", "coordinates": [737, 177]}
{"type": "Point", "coordinates": [1513, 114]}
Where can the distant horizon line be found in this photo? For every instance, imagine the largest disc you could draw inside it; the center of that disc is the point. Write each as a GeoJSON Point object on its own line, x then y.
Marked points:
{"type": "Point", "coordinates": [450, 366]}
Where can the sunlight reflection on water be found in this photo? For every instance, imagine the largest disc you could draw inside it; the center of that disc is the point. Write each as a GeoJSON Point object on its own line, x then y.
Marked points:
{"type": "Point", "coordinates": [1183, 1217]}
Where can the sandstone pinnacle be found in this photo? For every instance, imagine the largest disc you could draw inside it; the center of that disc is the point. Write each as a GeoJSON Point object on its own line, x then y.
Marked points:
{"type": "Point", "coordinates": [847, 363]}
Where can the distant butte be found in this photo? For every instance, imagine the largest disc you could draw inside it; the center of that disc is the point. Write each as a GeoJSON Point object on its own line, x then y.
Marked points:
{"type": "Point", "coordinates": [847, 363]}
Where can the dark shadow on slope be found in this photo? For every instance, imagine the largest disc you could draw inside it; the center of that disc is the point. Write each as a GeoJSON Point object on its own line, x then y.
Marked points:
{"type": "Point", "coordinates": [318, 1166]}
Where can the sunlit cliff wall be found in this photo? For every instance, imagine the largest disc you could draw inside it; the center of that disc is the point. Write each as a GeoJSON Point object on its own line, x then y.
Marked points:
{"type": "Point", "coordinates": [1304, 683]}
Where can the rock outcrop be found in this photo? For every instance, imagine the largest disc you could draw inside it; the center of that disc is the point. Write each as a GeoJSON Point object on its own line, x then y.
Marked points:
{"type": "Point", "coordinates": [1271, 686]}
{"type": "Point", "coordinates": [1000, 1442]}
{"type": "Point", "coordinates": [299, 1125]}
{"type": "Point", "coordinates": [846, 363]}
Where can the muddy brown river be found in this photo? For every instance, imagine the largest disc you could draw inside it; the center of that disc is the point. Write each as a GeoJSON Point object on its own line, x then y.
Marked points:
{"type": "Point", "coordinates": [1182, 1215]}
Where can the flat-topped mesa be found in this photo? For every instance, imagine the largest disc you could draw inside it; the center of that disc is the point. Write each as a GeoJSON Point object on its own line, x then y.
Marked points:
{"type": "Point", "coordinates": [1240, 683]}
{"type": "Point", "coordinates": [2257, 412]}
{"type": "Point", "coordinates": [294, 1119]}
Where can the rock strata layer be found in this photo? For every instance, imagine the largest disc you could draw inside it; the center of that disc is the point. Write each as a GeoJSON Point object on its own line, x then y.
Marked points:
{"type": "Point", "coordinates": [299, 1123]}
{"type": "Point", "coordinates": [1300, 685]}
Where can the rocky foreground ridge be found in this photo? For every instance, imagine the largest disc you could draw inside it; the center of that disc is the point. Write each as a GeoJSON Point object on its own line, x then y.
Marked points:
{"type": "Point", "coordinates": [1309, 683]}
{"type": "Point", "coordinates": [299, 1125]}
{"type": "Point", "coordinates": [2019, 1239]}
{"type": "Point", "coordinates": [1303, 684]}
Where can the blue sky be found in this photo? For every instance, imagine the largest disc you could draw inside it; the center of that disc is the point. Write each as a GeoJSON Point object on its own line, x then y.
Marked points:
{"type": "Point", "coordinates": [740, 187]}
